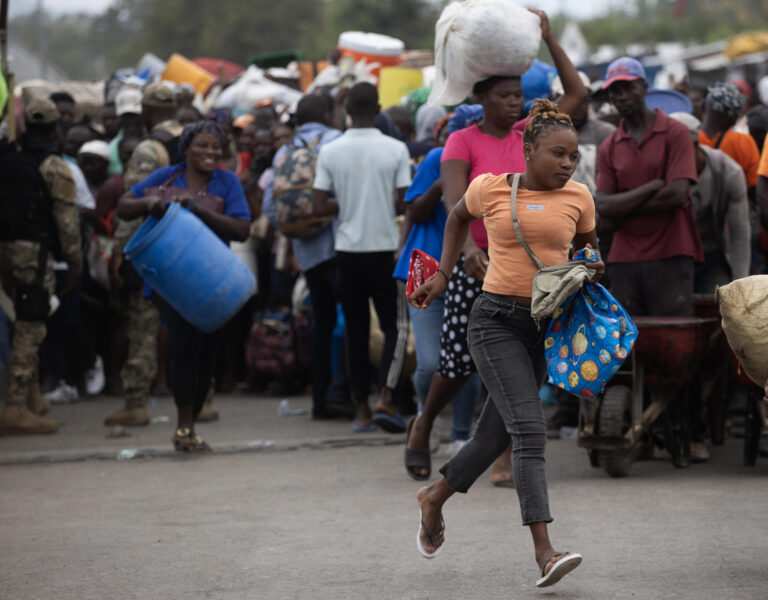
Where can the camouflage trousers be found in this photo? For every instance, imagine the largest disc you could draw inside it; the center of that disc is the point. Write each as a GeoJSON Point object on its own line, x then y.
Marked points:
{"type": "Point", "coordinates": [141, 364]}
{"type": "Point", "coordinates": [19, 262]}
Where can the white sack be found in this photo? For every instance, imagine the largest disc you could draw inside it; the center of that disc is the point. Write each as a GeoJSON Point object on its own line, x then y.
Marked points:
{"type": "Point", "coordinates": [252, 87]}
{"type": "Point", "coordinates": [477, 39]}
{"type": "Point", "coordinates": [744, 308]}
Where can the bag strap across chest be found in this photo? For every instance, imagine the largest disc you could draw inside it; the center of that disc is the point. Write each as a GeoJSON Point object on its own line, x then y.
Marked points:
{"type": "Point", "coordinates": [516, 222]}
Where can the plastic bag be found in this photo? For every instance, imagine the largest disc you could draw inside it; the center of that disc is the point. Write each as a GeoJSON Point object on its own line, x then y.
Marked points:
{"type": "Point", "coordinates": [477, 39]}
{"type": "Point", "coordinates": [587, 341]}
{"type": "Point", "coordinates": [252, 87]}
{"type": "Point", "coordinates": [744, 308]}
{"type": "Point", "coordinates": [421, 269]}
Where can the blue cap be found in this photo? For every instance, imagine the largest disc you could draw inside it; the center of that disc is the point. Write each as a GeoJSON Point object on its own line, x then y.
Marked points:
{"type": "Point", "coordinates": [623, 69]}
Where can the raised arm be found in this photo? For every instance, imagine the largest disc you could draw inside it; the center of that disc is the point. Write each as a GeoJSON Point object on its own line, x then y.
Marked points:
{"type": "Point", "coordinates": [574, 91]}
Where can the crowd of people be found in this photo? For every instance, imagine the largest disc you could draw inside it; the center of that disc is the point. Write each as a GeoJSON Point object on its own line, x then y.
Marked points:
{"type": "Point", "coordinates": [677, 204]}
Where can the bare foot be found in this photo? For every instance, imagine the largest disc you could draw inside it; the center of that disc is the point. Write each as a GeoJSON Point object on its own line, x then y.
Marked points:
{"type": "Point", "coordinates": [501, 470]}
{"type": "Point", "coordinates": [432, 518]}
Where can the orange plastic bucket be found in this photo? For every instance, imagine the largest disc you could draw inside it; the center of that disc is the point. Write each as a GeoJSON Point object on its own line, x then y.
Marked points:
{"type": "Point", "coordinates": [180, 70]}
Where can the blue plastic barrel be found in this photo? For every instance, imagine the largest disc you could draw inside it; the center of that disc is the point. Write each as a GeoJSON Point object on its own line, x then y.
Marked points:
{"type": "Point", "coordinates": [669, 101]}
{"type": "Point", "coordinates": [188, 265]}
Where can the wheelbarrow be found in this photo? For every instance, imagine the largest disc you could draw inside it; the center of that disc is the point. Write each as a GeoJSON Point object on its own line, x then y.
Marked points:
{"type": "Point", "coordinates": [648, 400]}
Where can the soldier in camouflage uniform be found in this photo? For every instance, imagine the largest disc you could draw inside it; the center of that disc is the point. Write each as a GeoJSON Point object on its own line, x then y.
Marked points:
{"type": "Point", "coordinates": [143, 324]}
{"type": "Point", "coordinates": [158, 108]}
{"type": "Point", "coordinates": [20, 262]}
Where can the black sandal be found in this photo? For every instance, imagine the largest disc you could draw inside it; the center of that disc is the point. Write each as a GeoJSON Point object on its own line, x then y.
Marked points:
{"type": "Point", "coordinates": [416, 458]}
{"type": "Point", "coordinates": [185, 441]}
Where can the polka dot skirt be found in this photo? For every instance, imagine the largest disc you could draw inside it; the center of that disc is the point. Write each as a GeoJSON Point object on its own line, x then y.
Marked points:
{"type": "Point", "coordinates": [462, 290]}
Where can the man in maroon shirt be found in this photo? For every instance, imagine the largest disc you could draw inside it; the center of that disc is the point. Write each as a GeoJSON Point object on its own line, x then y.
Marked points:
{"type": "Point", "coordinates": [644, 172]}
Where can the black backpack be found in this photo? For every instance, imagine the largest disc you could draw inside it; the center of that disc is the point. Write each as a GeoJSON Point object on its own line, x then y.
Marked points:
{"type": "Point", "coordinates": [26, 206]}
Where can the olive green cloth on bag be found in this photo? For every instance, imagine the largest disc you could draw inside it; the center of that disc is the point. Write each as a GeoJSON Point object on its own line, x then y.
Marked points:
{"type": "Point", "coordinates": [551, 285]}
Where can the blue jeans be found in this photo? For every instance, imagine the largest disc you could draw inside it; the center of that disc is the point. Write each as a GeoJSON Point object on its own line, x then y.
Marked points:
{"type": "Point", "coordinates": [508, 349]}
{"type": "Point", "coordinates": [427, 324]}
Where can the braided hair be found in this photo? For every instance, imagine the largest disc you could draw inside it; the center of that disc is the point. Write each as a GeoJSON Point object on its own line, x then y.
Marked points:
{"type": "Point", "coordinates": [545, 115]}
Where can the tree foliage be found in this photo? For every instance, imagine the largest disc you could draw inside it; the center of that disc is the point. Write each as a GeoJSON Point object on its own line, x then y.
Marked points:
{"type": "Point", "coordinates": [90, 47]}
{"type": "Point", "coordinates": [702, 21]}
{"type": "Point", "coordinates": [235, 30]}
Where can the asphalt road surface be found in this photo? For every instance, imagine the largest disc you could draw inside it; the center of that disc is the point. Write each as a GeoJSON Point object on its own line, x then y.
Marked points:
{"type": "Point", "coordinates": [289, 508]}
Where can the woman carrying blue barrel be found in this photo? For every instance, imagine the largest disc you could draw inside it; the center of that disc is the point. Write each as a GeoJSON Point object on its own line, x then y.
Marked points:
{"type": "Point", "coordinates": [216, 197]}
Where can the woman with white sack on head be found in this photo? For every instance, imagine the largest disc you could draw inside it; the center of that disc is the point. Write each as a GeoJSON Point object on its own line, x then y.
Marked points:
{"type": "Point", "coordinates": [493, 145]}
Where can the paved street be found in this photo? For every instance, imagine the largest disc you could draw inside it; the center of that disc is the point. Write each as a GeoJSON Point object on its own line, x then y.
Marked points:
{"type": "Point", "coordinates": [289, 508]}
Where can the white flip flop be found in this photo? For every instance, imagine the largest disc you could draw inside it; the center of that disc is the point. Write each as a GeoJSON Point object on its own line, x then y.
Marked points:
{"type": "Point", "coordinates": [560, 569]}
{"type": "Point", "coordinates": [420, 546]}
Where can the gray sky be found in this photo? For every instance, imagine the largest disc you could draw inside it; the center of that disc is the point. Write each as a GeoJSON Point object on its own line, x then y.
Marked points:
{"type": "Point", "coordinates": [582, 8]}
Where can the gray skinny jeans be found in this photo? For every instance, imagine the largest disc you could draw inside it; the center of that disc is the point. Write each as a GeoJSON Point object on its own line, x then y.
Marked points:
{"type": "Point", "coordinates": [508, 350]}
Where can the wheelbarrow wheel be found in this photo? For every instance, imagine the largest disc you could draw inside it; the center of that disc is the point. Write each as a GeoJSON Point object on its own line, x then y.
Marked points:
{"type": "Point", "coordinates": [614, 420]}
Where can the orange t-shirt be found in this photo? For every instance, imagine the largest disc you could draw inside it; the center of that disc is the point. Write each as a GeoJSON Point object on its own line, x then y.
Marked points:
{"type": "Point", "coordinates": [741, 147]}
{"type": "Point", "coordinates": [762, 170]}
{"type": "Point", "coordinates": [548, 220]}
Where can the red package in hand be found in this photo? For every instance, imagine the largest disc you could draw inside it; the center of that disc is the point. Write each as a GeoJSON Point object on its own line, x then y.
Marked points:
{"type": "Point", "coordinates": [423, 268]}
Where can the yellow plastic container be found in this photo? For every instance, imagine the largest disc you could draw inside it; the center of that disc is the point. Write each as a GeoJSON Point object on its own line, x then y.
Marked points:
{"type": "Point", "coordinates": [396, 82]}
{"type": "Point", "coordinates": [180, 70]}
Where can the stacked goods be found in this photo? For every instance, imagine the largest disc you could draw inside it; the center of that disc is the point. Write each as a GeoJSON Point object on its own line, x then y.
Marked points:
{"type": "Point", "coordinates": [744, 308]}
{"type": "Point", "coordinates": [477, 39]}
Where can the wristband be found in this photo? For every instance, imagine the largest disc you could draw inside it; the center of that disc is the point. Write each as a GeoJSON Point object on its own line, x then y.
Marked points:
{"type": "Point", "coordinates": [447, 279]}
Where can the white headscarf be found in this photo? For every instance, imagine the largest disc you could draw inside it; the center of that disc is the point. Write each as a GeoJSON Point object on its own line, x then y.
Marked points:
{"type": "Point", "coordinates": [427, 118]}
